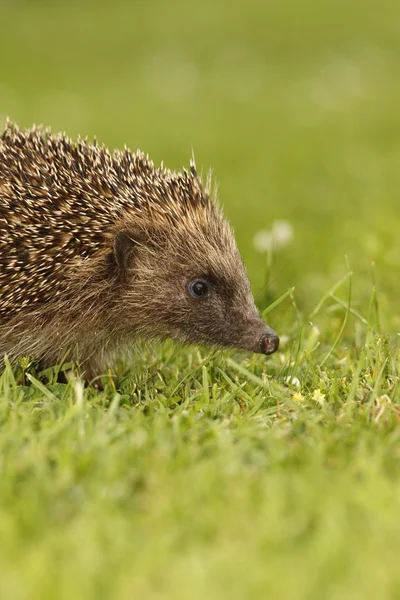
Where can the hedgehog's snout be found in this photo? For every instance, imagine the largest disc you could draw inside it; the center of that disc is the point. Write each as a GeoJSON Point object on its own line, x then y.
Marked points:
{"type": "Point", "coordinates": [269, 342]}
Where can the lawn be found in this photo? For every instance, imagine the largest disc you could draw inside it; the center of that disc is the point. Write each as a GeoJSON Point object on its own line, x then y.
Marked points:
{"type": "Point", "coordinates": [201, 474]}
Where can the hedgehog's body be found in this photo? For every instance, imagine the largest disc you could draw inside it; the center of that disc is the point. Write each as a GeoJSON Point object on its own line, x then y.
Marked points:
{"type": "Point", "coordinates": [97, 249]}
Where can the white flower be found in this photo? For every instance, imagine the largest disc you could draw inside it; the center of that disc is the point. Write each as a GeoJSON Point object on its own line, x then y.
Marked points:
{"type": "Point", "coordinates": [279, 236]}
{"type": "Point", "coordinates": [294, 381]}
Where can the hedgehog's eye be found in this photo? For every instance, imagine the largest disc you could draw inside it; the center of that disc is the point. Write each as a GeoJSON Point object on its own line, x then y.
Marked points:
{"type": "Point", "coordinates": [198, 288]}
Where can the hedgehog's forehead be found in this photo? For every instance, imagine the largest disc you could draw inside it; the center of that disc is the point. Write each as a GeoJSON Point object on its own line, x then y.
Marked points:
{"type": "Point", "coordinates": [207, 247]}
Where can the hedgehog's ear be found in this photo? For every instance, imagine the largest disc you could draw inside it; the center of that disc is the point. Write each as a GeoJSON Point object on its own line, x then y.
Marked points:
{"type": "Point", "coordinates": [126, 242]}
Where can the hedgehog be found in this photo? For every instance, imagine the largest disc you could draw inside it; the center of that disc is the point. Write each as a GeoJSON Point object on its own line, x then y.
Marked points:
{"type": "Point", "coordinates": [100, 248]}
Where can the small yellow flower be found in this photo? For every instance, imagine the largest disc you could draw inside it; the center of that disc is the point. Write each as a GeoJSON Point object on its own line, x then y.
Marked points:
{"type": "Point", "coordinates": [298, 397]}
{"type": "Point", "coordinates": [383, 400]}
{"type": "Point", "coordinates": [318, 397]}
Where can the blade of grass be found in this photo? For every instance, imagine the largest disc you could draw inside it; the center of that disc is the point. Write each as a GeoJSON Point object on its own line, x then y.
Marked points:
{"type": "Point", "coordinates": [351, 310]}
{"type": "Point", "coordinates": [206, 387]}
{"type": "Point", "coordinates": [376, 302]}
{"type": "Point", "coordinates": [355, 381]}
{"type": "Point", "coordinates": [377, 385]}
{"type": "Point", "coordinates": [328, 294]}
{"type": "Point", "coordinates": [339, 335]}
{"type": "Point", "coordinates": [41, 388]}
{"type": "Point", "coordinates": [250, 376]}
{"type": "Point", "coordinates": [276, 303]}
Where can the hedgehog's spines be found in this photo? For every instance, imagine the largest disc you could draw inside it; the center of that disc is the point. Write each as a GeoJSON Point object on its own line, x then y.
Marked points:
{"type": "Point", "coordinates": [61, 199]}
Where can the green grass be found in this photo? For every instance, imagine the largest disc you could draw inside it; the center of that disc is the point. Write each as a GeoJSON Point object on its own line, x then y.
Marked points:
{"type": "Point", "coordinates": [197, 474]}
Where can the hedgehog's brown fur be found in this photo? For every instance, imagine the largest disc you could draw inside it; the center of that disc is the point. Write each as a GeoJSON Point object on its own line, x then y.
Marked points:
{"type": "Point", "coordinates": [96, 249]}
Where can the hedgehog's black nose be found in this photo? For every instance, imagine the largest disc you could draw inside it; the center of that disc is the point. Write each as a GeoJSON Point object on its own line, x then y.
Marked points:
{"type": "Point", "coordinates": [269, 342]}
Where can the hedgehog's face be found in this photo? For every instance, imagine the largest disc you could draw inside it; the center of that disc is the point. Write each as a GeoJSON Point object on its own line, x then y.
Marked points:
{"type": "Point", "coordinates": [221, 312]}
{"type": "Point", "coordinates": [192, 288]}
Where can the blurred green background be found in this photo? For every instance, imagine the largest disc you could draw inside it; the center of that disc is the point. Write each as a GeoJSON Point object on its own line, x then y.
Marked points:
{"type": "Point", "coordinates": [212, 478]}
{"type": "Point", "coordinates": [294, 106]}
